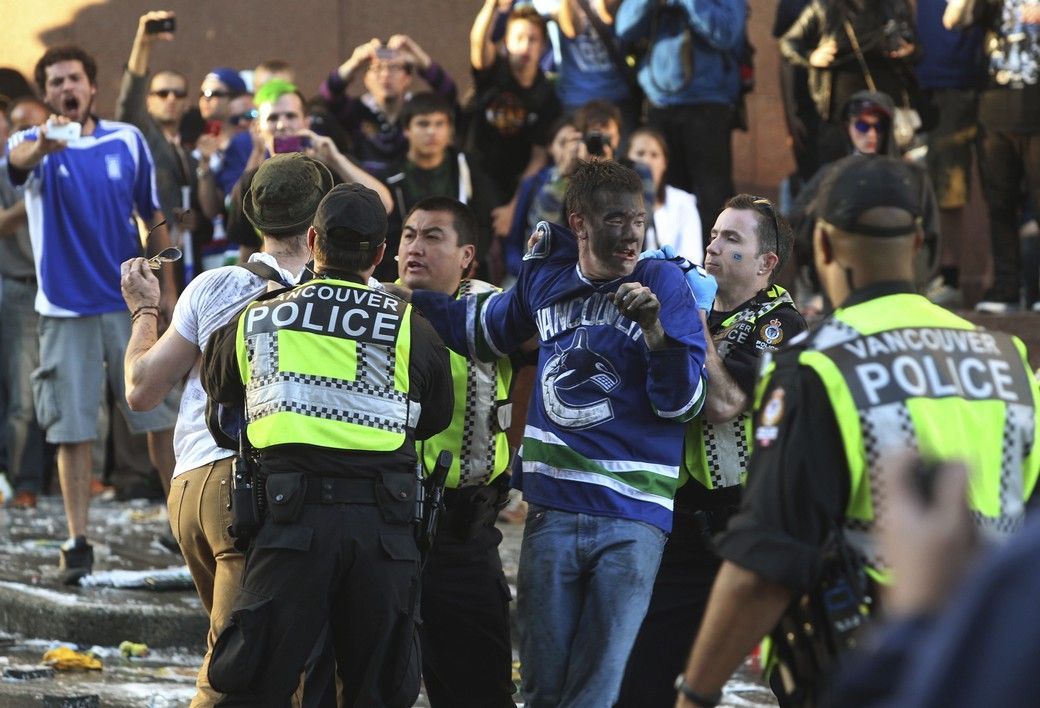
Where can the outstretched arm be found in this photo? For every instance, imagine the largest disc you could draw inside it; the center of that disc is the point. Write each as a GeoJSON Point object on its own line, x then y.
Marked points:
{"type": "Point", "coordinates": [481, 48]}
{"type": "Point", "coordinates": [743, 608]}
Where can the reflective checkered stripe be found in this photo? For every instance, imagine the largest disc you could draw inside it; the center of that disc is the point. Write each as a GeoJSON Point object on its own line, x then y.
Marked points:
{"type": "Point", "coordinates": [331, 372]}
{"type": "Point", "coordinates": [717, 454]}
{"type": "Point", "coordinates": [476, 436]}
{"type": "Point", "coordinates": [778, 296]}
{"type": "Point", "coordinates": [992, 430]}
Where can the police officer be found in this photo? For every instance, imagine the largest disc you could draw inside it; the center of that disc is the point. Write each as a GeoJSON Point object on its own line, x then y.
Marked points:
{"type": "Point", "coordinates": [467, 655]}
{"type": "Point", "coordinates": [887, 374]}
{"type": "Point", "coordinates": [748, 316]}
{"type": "Point", "coordinates": [339, 381]}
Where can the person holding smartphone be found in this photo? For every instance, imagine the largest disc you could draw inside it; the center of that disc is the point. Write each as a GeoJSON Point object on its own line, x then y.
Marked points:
{"type": "Point", "coordinates": [222, 152]}
{"type": "Point", "coordinates": [283, 126]}
{"type": "Point", "coordinates": [78, 246]}
{"type": "Point", "coordinates": [156, 103]}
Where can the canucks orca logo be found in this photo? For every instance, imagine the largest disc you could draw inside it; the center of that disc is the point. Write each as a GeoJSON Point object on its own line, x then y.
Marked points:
{"type": "Point", "coordinates": [572, 382]}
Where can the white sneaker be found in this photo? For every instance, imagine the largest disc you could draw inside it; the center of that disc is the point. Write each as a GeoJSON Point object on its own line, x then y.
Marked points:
{"type": "Point", "coordinates": [996, 307]}
{"type": "Point", "coordinates": [939, 293]}
{"type": "Point", "coordinates": [1036, 306]}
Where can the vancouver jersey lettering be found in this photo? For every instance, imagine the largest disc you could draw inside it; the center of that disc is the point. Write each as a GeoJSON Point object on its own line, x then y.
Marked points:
{"type": "Point", "coordinates": [587, 311]}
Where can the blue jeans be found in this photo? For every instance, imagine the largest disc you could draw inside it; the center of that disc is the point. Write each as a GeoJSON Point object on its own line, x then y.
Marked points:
{"type": "Point", "coordinates": [583, 587]}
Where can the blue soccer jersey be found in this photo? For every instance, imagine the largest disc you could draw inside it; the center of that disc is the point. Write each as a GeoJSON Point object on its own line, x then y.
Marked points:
{"type": "Point", "coordinates": [80, 204]}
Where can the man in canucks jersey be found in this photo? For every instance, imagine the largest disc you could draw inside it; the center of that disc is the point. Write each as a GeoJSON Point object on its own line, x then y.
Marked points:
{"type": "Point", "coordinates": [620, 370]}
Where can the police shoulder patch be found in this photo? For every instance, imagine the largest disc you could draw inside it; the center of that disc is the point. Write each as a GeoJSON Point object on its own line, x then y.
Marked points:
{"type": "Point", "coordinates": [770, 417]}
{"type": "Point", "coordinates": [772, 333]}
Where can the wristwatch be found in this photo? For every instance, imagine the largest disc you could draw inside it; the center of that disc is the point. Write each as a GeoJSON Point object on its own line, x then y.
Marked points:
{"type": "Point", "coordinates": [698, 699]}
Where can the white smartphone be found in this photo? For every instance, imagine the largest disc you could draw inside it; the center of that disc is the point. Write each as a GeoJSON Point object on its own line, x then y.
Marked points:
{"type": "Point", "coordinates": [67, 131]}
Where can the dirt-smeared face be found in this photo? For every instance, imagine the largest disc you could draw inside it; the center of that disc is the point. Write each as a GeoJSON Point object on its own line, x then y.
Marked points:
{"type": "Point", "coordinates": [611, 237]}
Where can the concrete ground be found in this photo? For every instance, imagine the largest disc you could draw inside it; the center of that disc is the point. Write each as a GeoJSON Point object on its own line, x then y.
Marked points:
{"type": "Point", "coordinates": [37, 614]}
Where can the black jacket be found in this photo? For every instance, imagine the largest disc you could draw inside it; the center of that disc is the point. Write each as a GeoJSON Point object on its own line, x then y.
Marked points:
{"type": "Point", "coordinates": [878, 29]}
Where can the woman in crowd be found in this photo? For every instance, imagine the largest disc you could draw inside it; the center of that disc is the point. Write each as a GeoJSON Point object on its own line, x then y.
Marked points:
{"type": "Point", "coordinates": [675, 222]}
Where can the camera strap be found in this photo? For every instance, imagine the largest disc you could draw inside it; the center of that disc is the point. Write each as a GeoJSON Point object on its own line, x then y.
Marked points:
{"type": "Point", "coordinates": [867, 76]}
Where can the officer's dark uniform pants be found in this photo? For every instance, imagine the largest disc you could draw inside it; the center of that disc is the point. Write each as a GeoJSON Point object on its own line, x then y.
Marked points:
{"type": "Point", "coordinates": [467, 656]}
{"type": "Point", "coordinates": [338, 564]}
{"type": "Point", "coordinates": [681, 591]}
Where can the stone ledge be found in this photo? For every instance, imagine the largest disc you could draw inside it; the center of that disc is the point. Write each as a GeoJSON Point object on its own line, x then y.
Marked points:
{"type": "Point", "coordinates": [103, 616]}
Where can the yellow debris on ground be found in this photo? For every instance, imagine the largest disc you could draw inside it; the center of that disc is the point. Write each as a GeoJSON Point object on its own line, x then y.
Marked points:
{"type": "Point", "coordinates": [65, 659]}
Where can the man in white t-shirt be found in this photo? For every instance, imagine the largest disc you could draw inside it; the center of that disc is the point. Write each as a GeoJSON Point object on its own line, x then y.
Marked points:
{"type": "Point", "coordinates": [280, 203]}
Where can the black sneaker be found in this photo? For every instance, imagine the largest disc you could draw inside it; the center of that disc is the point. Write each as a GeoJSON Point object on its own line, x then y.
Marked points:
{"type": "Point", "coordinates": [77, 560]}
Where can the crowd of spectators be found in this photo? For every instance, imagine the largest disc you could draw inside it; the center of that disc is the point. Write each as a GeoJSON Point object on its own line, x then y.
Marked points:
{"type": "Point", "coordinates": [556, 84]}
{"type": "Point", "coordinates": [660, 85]}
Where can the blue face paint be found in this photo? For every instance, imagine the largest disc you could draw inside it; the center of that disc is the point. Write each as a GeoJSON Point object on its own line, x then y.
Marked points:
{"type": "Point", "coordinates": [738, 256]}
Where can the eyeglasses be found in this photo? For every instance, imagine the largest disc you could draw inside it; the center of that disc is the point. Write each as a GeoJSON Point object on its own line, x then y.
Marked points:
{"type": "Point", "coordinates": [214, 94]}
{"type": "Point", "coordinates": [165, 93]}
{"type": "Point", "coordinates": [247, 117]}
{"type": "Point", "coordinates": [762, 201]}
{"type": "Point", "coordinates": [863, 126]}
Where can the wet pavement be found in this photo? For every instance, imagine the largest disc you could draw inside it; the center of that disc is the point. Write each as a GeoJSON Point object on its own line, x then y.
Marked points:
{"type": "Point", "coordinates": [37, 613]}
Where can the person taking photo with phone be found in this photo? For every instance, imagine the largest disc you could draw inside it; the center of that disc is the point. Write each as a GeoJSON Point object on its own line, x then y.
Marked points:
{"type": "Point", "coordinates": [80, 198]}
{"type": "Point", "coordinates": [282, 126]}
{"type": "Point", "coordinates": [156, 104]}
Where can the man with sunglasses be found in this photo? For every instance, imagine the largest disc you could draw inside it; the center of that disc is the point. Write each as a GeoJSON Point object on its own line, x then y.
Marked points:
{"type": "Point", "coordinates": [241, 113]}
{"type": "Point", "coordinates": [156, 106]}
{"type": "Point", "coordinates": [224, 148]}
{"type": "Point", "coordinates": [868, 122]}
{"type": "Point", "coordinates": [749, 316]}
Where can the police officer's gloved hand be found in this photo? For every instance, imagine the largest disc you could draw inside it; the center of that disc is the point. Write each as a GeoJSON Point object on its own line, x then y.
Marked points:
{"type": "Point", "coordinates": [701, 282]}
{"type": "Point", "coordinates": [665, 253]}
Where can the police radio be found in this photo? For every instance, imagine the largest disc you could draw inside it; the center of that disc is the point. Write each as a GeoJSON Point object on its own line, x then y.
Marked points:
{"type": "Point", "coordinates": [244, 501]}
{"type": "Point", "coordinates": [817, 629]}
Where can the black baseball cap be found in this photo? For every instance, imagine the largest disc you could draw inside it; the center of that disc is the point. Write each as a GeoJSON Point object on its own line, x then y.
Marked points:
{"type": "Point", "coordinates": [860, 183]}
{"type": "Point", "coordinates": [353, 216]}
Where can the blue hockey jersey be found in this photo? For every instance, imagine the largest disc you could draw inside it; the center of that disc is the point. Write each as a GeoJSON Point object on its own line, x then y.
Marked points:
{"type": "Point", "coordinates": [604, 432]}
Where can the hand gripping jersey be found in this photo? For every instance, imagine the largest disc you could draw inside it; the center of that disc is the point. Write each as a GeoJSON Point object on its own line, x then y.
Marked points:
{"type": "Point", "coordinates": [604, 429]}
